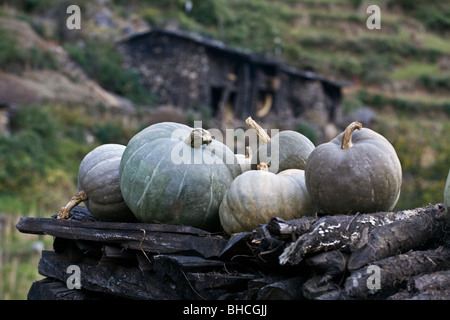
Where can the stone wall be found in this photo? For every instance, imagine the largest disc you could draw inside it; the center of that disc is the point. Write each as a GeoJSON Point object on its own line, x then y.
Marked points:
{"type": "Point", "coordinates": [175, 69]}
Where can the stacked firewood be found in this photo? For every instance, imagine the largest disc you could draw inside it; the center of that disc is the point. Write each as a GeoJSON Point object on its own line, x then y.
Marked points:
{"type": "Point", "coordinates": [384, 255]}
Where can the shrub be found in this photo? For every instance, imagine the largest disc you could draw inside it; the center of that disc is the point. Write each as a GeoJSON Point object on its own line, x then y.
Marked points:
{"type": "Point", "coordinates": [103, 63]}
{"type": "Point", "coordinates": [9, 53]}
{"type": "Point", "coordinates": [434, 83]}
{"type": "Point", "coordinates": [29, 150]}
{"type": "Point", "coordinates": [308, 131]}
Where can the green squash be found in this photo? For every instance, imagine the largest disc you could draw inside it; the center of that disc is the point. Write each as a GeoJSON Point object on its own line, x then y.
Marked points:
{"type": "Point", "coordinates": [447, 197]}
{"type": "Point", "coordinates": [175, 174]}
{"type": "Point", "coordinates": [286, 150]}
{"type": "Point", "coordinates": [358, 171]}
{"type": "Point", "coordinates": [256, 196]}
{"type": "Point", "coordinates": [98, 185]}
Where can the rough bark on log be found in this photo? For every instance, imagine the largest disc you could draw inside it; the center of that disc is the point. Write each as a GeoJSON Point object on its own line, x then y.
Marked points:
{"type": "Point", "coordinates": [406, 233]}
{"type": "Point", "coordinates": [353, 234]}
{"type": "Point", "coordinates": [432, 286]}
{"type": "Point", "coordinates": [396, 269]}
{"type": "Point", "coordinates": [290, 229]}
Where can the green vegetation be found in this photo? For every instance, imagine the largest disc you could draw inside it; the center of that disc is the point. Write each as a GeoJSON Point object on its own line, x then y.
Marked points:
{"type": "Point", "coordinates": [18, 259]}
{"type": "Point", "coordinates": [12, 58]}
{"type": "Point", "coordinates": [103, 63]}
{"type": "Point", "coordinates": [423, 153]}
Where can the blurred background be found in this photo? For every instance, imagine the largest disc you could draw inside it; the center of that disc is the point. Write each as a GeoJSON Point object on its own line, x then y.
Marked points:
{"type": "Point", "coordinates": [64, 91]}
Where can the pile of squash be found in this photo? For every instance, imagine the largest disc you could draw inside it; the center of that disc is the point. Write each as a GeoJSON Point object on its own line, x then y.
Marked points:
{"type": "Point", "coordinates": [171, 173]}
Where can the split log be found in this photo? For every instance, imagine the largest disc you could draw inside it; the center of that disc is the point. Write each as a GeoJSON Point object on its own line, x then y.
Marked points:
{"type": "Point", "coordinates": [354, 234]}
{"type": "Point", "coordinates": [328, 265]}
{"type": "Point", "coordinates": [51, 289]}
{"type": "Point", "coordinates": [126, 282]}
{"type": "Point", "coordinates": [290, 229]}
{"type": "Point", "coordinates": [432, 286]}
{"type": "Point", "coordinates": [411, 229]}
{"type": "Point", "coordinates": [316, 288]}
{"type": "Point", "coordinates": [287, 289]}
{"type": "Point", "coordinates": [197, 278]}
{"type": "Point", "coordinates": [395, 270]}
{"type": "Point", "coordinates": [238, 245]}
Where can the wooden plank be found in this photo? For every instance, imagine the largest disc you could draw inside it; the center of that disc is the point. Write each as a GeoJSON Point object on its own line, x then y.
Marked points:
{"type": "Point", "coordinates": [51, 289]}
{"type": "Point", "coordinates": [155, 238]}
{"type": "Point", "coordinates": [287, 289]}
{"type": "Point", "coordinates": [125, 282]}
{"type": "Point", "coordinates": [162, 263]}
{"type": "Point", "coordinates": [34, 225]}
{"type": "Point", "coordinates": [200, 279]}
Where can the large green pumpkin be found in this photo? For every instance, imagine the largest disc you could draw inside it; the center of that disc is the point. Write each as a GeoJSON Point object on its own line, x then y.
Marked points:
{"type": "Point", "coordinates": [358, 171]}
{"type": "Point", "coordinates": [286, 150]}
{"type": "Point", "coordinates": [175, 174]}
{"type": "Point", "coordinates": [256, 196]}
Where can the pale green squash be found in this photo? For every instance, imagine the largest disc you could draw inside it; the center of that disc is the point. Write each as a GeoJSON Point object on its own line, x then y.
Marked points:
{"type": "Point", "coordinates": [98, 177]}
{"type": "Point", "coordinates": [256, 196]}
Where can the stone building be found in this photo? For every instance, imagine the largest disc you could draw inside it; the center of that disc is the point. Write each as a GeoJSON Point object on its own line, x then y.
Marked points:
{"type": "Point", "coordinates": [190, 71]}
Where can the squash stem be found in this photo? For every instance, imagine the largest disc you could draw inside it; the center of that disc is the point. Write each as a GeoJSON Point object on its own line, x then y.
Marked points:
{"type": "Point", "coordinates": [74, 201]}
{"type": "Point", "coordinates": [198, 137]}
{"type": "Point", "coordinates": [248, 152]}
{"type": "Point", "coordinates": [263, 166]}
{"type": "Point", "coordinates": [262, 134]}
{"type": "Point", "coordinates": [347, 136]}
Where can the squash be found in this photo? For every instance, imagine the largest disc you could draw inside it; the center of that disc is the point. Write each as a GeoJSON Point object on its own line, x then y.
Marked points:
{"type": "Point", "coordinates": [358, 171]}
{"type": "Point", "coordinates": [175, 174]}
{"type": "Point", "coordinates": [447, 197]}
{"type": "Point", "coordinates": [245, 160]}
{"type": "Point", "coordinates": [98, 185]}
{"type": "Point", "coordinates": [286, 150]}
{"type": "Point", "coordinates": [256, 196]}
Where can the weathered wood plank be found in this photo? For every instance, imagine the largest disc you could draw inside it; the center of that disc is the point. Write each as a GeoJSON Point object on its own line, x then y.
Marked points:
{"type": "Point", "coordinates": [126, 282]}
{"type": "Point", "coordinates": [200, 279]}
{"type": "Point", "coordinates": [51, 289]}
{"type": "Point", "coordinates": [155, 238]}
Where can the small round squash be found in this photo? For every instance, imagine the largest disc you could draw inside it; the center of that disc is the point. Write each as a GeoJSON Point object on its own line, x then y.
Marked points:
{"type": "Point", "coordinates": [256, 196]}
{"type": "Point", "coordinates": [98, 185]}
{"type": "Point", "coordinates": [286, 150]}
{"type": "Point", "coordinates": [175, 174]}
{"type": "Point", "coordinates": [358, 171]}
